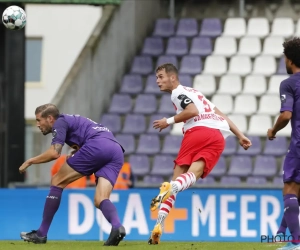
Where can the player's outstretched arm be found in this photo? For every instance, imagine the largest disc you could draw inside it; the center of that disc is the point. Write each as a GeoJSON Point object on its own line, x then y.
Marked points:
{"type": "Point", "coordinates": [49, 155]}
{"type": "Point", "coordinates": [281, 122]}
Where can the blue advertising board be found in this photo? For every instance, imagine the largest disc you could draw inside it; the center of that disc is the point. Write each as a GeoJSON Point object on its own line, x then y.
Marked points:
{"type": "Point", "coordinates": [198, 214]}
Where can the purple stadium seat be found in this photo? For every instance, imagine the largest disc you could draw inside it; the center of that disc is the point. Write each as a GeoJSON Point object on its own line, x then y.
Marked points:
{"type": "Point", "coordinates": [148, 144]}
{"type": "Point", "coordinates": [201, 46]}
{"type": "Point", "coordinates": [167, 59]}
{"type": "Point", "coordinates": [112, 122]}
{"type": "Point", "coordinates": [281, 67]}
{"type": "Point", "coordinates": [171, 144]}
{"type": "Point", "coordinates": [256, 180]}
{"type": "Point", "coordinates": [277, 147]}
{"type": "Point", "coordinates": [151, 130]}
{"type": "Point", "coordinates": [131, 84]}
{"type": "Point", "coordinates": [265, 166]}
{"type": "Point", "coordinates": [187, 27]}
{"type": "Point", "coordinates": [134, 124]}
{"type": "Point", "coordinates": [127, 142]}
{"type": "Point", "coordinates": [211, 27]}
{"type": "Point", "coordinates": [277, 181]}
{"type": "Point", "coordinates": [162, 165]}
{"type": "Point", "coordinates": [151, 85]}
{"type": "Point", "coordinates": [230, 180]}
{"type": "Point", "coordinates": [220, 169]}
{"type": "Point", "coordinates": [120, 104]}
{"type": "Point", "coordinates": [139, 164]}
{"type": "Point", "coordinates": [231, 145]}
{"type": "Point", "coordinates": [166, 105]}
{"type": "Point", "coordinates": [185, 80]}
{"type": "Point", "coordinates": [240, 166]}
{"type": "Point", "coordinates": [145, 104]}
{"type": "Point", "coordinates": [153, 180]}
{"type": "Point", "coordinates": [255, 149]}
{"type": "Point", "coordinates": [208, 180]}
{"type": "Point", "coordinates": [164, 27]}
{"type": "Point", "coordinates": [191, 65]}
{"type": "Point", "coordinates": [177, 46]}
{"type": "Point", "coordinates": [153, 46]}
{"type": "Point", "coordinates": [142, 65]}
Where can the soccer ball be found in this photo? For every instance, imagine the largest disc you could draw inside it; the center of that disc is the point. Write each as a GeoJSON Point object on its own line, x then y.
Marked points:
{"type": "Point", "coordinates": [14, 18]}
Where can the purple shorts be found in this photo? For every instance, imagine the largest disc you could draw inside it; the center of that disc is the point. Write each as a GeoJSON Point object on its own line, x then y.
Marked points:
{"type": "Point", "coordinates": [100, 156]}
{"type": "Point", "coordinates": [291, 169]}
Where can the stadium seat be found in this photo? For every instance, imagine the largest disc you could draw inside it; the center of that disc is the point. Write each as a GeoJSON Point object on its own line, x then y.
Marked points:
{"type": "Point", "coordinates": [211, 27]}
{"type": "Point", "coordinates": [240, 166]}
{"type": "Point", "coordinates": [255, 85]}
{"type": "Point", "coordinates": [166, 105]}
{"type": "Point", "coordinates": [151, 86]}
{"type": "Point", "coordinates": [240, 65]}
{"type": "Point", "coordinates": [134, 124]}
{"type": "Point", "coordinates": [127, 142]}
{"type": "Point", "coordinates": [265, 166]}
{"type": "Point", "coordinates": [131, 84]}
{"type": "Point", "coordinates": [264, 65]}
{"type": "Point", "coordinates": [206, 84]}
{"type": "Point", "coordinates": [286, 131]}
{"type": "Point", "coordinates": [225, 46]}
{"type": "Point", "coordinates": [145, 104]}
{"type": "Point", "coordinates": [235, 27]}
{"type": "Point", "coordinates": [240, 121]}
{"type": "Point", "coordinates": [223, 102]}
{"type": "Point", "coordinates": [269, 104]}
{"type": "Point", "coordinates": [281, 70]}
{"type": "Point", "coordinates": [258, 27]}
{"type": "Point", "coordinates": [283, 26]}
{"type": "Point", "coordinates": [278, 182]}
{"type": "Point", "coordinates": [120, 104]}
{"type": "Point", "coordinates": [153, 46]}
{"type": "Point", "coordinates": [276, 147]}
{"type": "Point", "coordinates": [230, 181]}
{"type": "Point", "coordinates": [171, 144]}
{"type": "Point", "coordinates": [164, 27]}
{"type": "Point", "coordinates": [241, 108]}
{"type": "Point", "coordinates": [167, 59]}
{"type": "Point", "coordinates": [152, 130]}
{"type": "Point", "coordinates": [215, 65]}
{"type": "Point", "coordinates": [230, 146]}
{"type": "Point", "coordinates": [177, 129]}
{"type": "Point", "coordinates": [207, 181]}
{"type": "Point", "coordinates": [230, 84]}
{"type": "Point", "coordinates": [148, 144]}
{"type": "Point", "coordinates": [220, 168]}
{"type": "Point", "coordinates": [139, 164]}
{"type": "Point", "coordinates": [142, 65]}
{"type": "Point", "coordinates": [153, 180]}
{"type": "Point", "coordinates": [187, 27]}
{"type": "Point", "coordinates": [254, 150]}
{"type": "Point", "coordinates": [163, 165]}
{"type": "Point", "coordinates": [273, 46]}
{"type": "Point", "coordinates": [191, 64]}
{"type": "Point", "coordinates": [185, 80]}
{"type": "Point", "coordinates": [249, 46]}
{"type": "Point", "coordinates": [177, 46]}
{"type": "Point", "coordinates": [259, 124]}
{"type": "Point", "coordinates": [256, 180]}
{"type": "Point", "coordinates": [112, 122]}
{"type": "Point", "coordinates": [274, 83]}
{"type": "Point", "coordinates": [201, 46]}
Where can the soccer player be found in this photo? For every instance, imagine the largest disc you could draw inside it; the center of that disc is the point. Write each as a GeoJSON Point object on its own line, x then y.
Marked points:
{"type": "Point", "coordinates": [289, 94]}
{"type": "Point", "coordinates": [205, 129]}
{"type": "Point", "coordinates": [99, 153]}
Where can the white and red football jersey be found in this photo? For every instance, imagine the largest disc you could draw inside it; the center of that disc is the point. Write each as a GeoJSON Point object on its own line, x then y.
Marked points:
{"type": "Point", "coordinates": [182, 96]}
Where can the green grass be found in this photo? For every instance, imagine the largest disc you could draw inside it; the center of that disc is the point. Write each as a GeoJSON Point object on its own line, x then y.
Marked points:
{"type": "Point", "coordinates": [135, 245]}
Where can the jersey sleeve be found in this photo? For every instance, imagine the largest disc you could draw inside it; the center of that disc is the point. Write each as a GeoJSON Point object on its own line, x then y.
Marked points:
{"type": "Point", "coordinates": [286, 97]}
{"type": "Point", "coordinates": [59, 132]}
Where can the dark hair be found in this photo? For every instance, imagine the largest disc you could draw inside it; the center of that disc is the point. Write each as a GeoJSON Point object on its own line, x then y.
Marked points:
{"type": "Point", "coordinates": [48, 109]}
{"type": "Point", "coordinates": [292, 50]}
{"type": "Point", "coordinates": [168, 67]}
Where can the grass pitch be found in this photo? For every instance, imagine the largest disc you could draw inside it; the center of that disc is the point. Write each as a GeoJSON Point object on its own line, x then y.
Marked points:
{"type": "Point", "coordinates": [136, 245]}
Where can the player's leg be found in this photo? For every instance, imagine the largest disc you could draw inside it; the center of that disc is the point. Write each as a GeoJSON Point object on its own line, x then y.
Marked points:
{"type": "Point", "coordinates": [59, 181]}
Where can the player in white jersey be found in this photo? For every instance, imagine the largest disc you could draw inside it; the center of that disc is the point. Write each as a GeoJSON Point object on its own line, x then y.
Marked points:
{"type": "Point", "coordinates": [205, 129]}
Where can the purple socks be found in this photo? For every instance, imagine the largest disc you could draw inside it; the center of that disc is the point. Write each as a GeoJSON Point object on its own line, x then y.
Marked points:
{"type": "Point", "coordinates": [51, 206]}
{"type": "Point", "coordinates": [110, 213]}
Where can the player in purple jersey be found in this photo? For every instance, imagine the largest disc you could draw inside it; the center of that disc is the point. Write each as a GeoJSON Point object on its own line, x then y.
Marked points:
{"type": "Point", "coordinates": [98, 152]}
{"type": "Point", "coordinates": [290, 110]}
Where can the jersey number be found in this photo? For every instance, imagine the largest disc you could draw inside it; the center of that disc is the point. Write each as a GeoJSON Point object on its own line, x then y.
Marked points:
{"type": "Point", "coordinates": [205, 104]}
